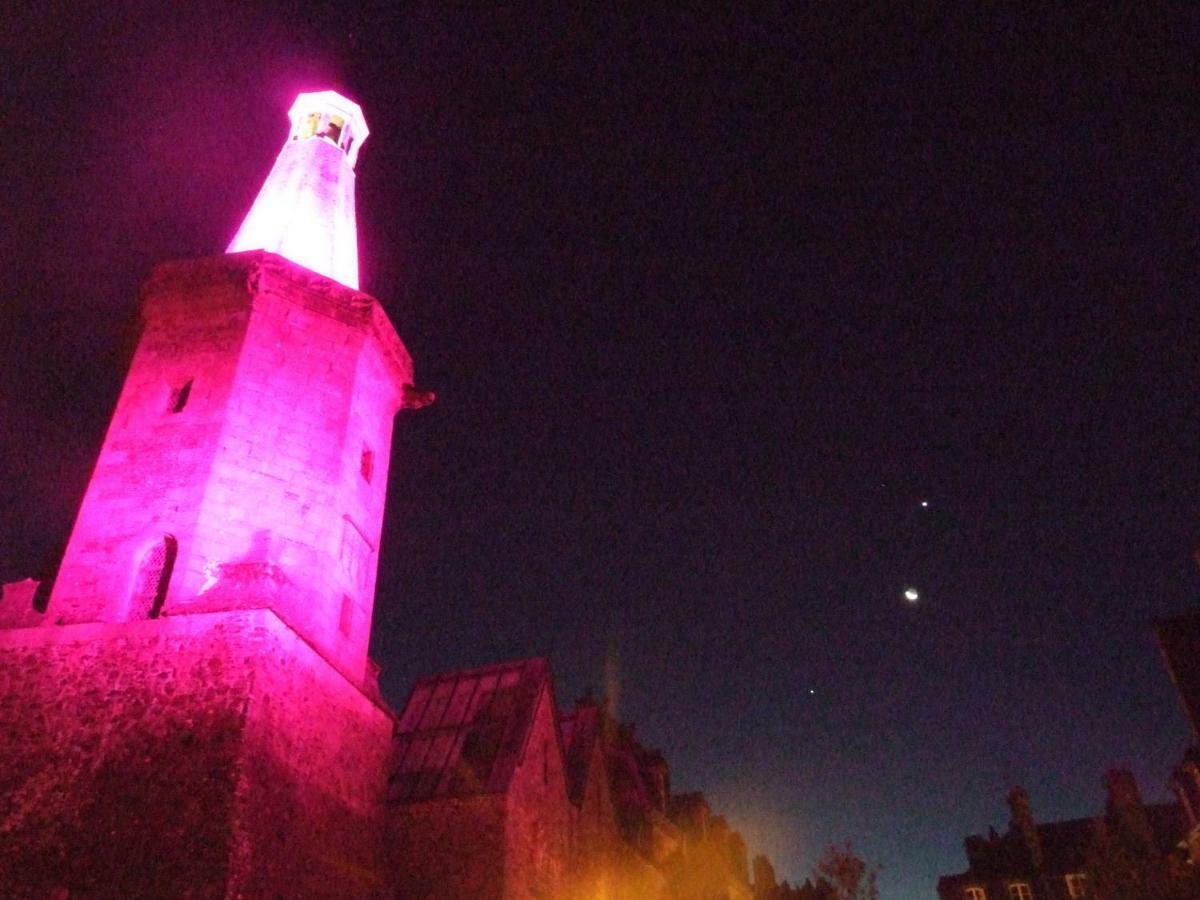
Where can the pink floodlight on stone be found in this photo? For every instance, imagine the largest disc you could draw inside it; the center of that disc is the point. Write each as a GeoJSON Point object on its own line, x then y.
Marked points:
{"type": "Point", "coordinates": [305, 210]}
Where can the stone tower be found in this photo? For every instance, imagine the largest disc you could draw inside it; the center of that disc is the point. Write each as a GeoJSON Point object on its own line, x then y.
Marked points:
{"type": "Point", "coordinates": [195, 712]}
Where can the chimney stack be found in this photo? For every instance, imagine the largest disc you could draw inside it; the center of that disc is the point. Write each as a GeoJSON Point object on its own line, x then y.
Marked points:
{"type": "Point", "coordinates": [1022, 823]}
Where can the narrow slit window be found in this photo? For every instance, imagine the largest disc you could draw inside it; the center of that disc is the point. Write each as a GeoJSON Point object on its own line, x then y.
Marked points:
{"type": "Point", "coordinates": [346, 618]}
{"type": "Point", "coordinates": [179, 396]}
{"type": "Point", "coordinates": [41, 595]}
{"type": "Point", "coordinates": [366, 464]}
{"type": "Point", "coordinates": [152, 579]}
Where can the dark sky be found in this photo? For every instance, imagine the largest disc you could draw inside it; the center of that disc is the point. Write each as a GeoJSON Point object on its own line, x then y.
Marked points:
{"type": "Point", "coordinates": [711, 303]}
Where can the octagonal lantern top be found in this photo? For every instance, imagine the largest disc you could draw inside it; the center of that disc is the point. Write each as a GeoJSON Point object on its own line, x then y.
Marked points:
{"type": "Point", "coordinates": [329, 116]}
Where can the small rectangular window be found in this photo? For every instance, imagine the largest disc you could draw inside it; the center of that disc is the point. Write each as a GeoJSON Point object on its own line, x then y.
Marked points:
{"type": "Point", "coordinates": [180, 395]}
{"type": "Point", "coordinates": [1076, 885]}
{"type": "Point", "coordinates": [975, 893]}
{"type": "Point", "coordinates": [366, 464]}
{"type": "Point", "coordinates": [1019, 890]}
{"type": "Point", "coordinates": [346, 616]}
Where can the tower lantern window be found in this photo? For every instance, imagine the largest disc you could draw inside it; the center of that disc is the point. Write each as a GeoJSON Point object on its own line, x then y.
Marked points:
{"type": "Point", "coordinates": [332, 128]}
{"type": "Point", "coordinates": [308, 126]}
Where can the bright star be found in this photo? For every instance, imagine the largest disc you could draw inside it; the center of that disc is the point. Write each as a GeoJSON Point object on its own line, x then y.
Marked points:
{"type": "Point", "coordinates": [911, 595]}
{"type": "Point", "coordinates": [925, 504]}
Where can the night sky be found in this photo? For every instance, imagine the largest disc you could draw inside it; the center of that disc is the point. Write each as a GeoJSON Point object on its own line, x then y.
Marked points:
{"type": "Point", "coordinates": [711, 303]}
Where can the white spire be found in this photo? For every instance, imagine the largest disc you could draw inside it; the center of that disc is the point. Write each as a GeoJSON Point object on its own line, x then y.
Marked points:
{"type": "Point", "coordinates": [305, 210]}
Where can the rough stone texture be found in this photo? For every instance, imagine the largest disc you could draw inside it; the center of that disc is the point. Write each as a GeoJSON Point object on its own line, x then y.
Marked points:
{"type": "Point", "coordinates": [197, 756]}
{"type": "Point", "coordinates": [595, 837]}
{"type": "Point", "coordinates": [16, 605]}
{"type": "Point", "coordinates": [538, 821]}
{"type": "Point", "coordinates": [271, 476]}
{"type": "Point", "coordinates": [512, 844]}
{"type": "Point", "coordinates": [447, 847]}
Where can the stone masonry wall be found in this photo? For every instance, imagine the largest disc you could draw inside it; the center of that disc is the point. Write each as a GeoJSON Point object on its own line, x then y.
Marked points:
{"type": "Point", "coordinates": [446, 848]}
{"type": "Point", "coordinates": [253, 434]}
{"type": "Point", "coordinates": [538, 825]}
{"type": "Point", "coordinates": [151, 473]}
{"type": "Point", "coordinates": [310, 805]}
{"type": "Point", "coordinates": [596, 846]}
{"type": "Point", "coordinates": [119, 749]}
{"type": "Point", "coordinates": [293, 504]}
{"type": "Point", "coordinates": [152, 759]}
{"type": "Point", "coordinates": [16, 604]}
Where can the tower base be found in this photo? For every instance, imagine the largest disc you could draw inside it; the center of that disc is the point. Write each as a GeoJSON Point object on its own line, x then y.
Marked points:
{"type": "Point", "coordinates": [207, 755]}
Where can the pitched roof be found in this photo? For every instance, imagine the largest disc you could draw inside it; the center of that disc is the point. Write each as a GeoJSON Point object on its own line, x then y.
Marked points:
{"type": "Point", "coordinates": [465, 732]}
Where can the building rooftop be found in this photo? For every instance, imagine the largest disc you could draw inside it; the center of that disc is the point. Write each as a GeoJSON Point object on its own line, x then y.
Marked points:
{"type": "Point", "coordinates": [465, 732]}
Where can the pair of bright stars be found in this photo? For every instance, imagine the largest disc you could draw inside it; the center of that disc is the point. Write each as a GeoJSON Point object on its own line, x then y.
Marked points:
{"type": "Point", "coordinates": [911, 594]}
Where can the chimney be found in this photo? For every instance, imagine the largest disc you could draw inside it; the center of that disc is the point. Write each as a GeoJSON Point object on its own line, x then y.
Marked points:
{"type": "Point", "coordinates": [1023, 825]}
{"type": "Point", "coordinates": [1125, 814]}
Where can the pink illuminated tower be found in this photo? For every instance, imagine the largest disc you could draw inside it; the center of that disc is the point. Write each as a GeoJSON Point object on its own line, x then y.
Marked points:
{"type": "Point", "coordinates": [305, 210]}
{"type": "Point", "coordinates": [194, 713]}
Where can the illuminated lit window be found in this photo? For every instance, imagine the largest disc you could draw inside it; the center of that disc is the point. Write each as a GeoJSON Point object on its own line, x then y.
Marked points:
{"type": "Point", "coordinates": [153, 577]}
{"type": "Point", "coordinates": [366, 464]}
{"type": "Point", "coordinates": [974, 893]}
{"type": "Point", "coordinates": [310, 125]}
{"type": "Point", "coordinates": [179, 396]}
{"type": "Point", "coordinates": [1076, 885]}
{"type": "Point", "coordinates": [1019, 890]}
{"type": "Point", "coordinates": [333, 128]}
